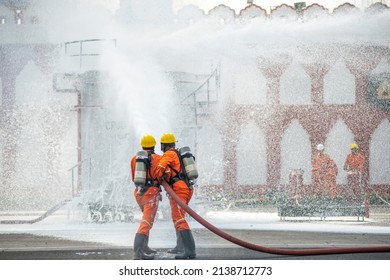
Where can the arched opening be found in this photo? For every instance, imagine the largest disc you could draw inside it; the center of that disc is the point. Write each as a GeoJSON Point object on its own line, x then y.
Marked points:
{"type": "Point", "coordinates": [32, 86]}
{"type": "Point", "coordinates": [339, 85]}
{"type": "Point", "coordinates": [295, 152]}
{"type": "Point", "coordinates": [295, 86]}
{"type": "Point", "coordinates": [210, 156]}
{"type": "Point", "coordinates": [250, 85]}
{"type": "Point", "coordinates": [380, 154]}
{"type": "Point", "coordinates": [337, 146]}
{"type": "Point", "coordinates": [251, 156]}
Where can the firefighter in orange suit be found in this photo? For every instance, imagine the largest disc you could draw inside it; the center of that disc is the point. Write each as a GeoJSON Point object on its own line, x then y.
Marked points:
{"type": "Point", "coordinates": [169, 169]}
{"type": "Point", "coordinates": [354, 164]}
{"type": "Point", "coordinates": [148, 198]}
{"type": "Point", "coordinates": [324, 173]}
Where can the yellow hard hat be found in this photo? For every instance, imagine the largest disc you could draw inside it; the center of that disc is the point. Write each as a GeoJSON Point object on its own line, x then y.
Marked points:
{"type": "Point", "coordinates": [353, 146]}
{"type": "Point", "coordinates": [148, 141]}
{"type": "Point", "coordinates": [168, 138]}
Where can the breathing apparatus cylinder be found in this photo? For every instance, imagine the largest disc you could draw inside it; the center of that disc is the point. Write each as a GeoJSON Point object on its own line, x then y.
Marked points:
{"type": "Point", "coordinates": [189, 163]}
{"type": "Point", "coordinates": [140, 168]}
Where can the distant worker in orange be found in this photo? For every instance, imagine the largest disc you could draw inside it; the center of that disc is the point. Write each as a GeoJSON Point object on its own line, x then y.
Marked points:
{"type": "Point", "coordinates": [169, 169]}
{"type": "Point", "coordinates": [147, 196]}
{"type": "Point", "coordinates": [324, 173]}
{"type": "Point", "coordinates": [354, 164]}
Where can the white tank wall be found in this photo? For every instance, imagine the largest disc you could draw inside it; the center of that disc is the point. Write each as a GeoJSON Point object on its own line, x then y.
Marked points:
{"type": "Point", "coordinates": [251, 156]}
{"type": "Point", "coordinates": [31, 178]}
{"type": "Point", "coordinates": [380, 154]}
{"type": "Point", "coordinates": [32, 159]}
{"type": "Point", "coordinates": [295, 152]}
{"type": "Point", "coordinates": [339, 85]}
{"type": "Point", "coordinates": [295, 86]}
{"type": "Point", "coordinates": [31, 92]}
{"type": "Point", "coordinates": [32, 86]}
{"type": "Point", "coordinates": [46, 141]}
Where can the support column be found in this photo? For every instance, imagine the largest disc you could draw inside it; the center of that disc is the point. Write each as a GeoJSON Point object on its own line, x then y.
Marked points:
{"type": "Point", "coordinates": [317, 74]}
{"type": "Point", "coordinates": [273, 72]}
{"type": "Point", "coordinates": [230, 150]}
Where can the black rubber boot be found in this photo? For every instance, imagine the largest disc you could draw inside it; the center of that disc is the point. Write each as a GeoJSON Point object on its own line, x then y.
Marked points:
{"type": "Point", "coordinates": [139, 253]}
{"type": "Point", "coordinates": [189, 245]}
{"type": "Point", "coordinates": [179, 248]}
{"type": "Point", "coordinates": [146, 248]}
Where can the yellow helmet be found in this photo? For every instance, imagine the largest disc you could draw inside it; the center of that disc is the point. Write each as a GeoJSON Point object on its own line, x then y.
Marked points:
{"type": "Point", "coordinates": [353, 146]}
{"type": "Point", "coordinates": [148, 141]}
{"type": "Point", "coordinates": [168, 138]}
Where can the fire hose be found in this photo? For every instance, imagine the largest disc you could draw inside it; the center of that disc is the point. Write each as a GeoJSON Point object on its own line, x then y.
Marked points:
{"type": "Point", "coordinates": [45, 215]}
{"type": "Point", "coordinates": [270, 250]}
{"type": "Point", "coordinates": [366, 183]}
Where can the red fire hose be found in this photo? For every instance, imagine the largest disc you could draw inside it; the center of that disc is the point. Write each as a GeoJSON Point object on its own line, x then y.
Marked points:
{"type": "Point", "coordinates": [242, 243]}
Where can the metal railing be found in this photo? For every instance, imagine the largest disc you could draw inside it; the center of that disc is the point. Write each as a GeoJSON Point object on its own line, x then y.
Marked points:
{"type": "Point", "coordinates": [81, 53]}
{"type": "Point", "coordinates": [76, 187]}
{"type": "Point", "coordinates": [214, 77]}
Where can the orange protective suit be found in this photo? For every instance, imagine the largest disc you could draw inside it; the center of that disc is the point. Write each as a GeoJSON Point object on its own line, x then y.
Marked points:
{"type": "Point", "coordinates": [148, 202]}
{"type": "Point", "coordinates": [168, 165]}
{"type": "Point", "coordinates": [324, 172]}
{"type": "Point", "coordinates": [354, 164]}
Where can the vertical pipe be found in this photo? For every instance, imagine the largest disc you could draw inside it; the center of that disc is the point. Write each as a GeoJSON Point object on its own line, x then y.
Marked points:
{"type": "Point", "coordinates": [196, 123]}
{"type": "Point", "coordinates": [208, 94]}
{"type": "Point", "coordinates": [89, 174]}
{"type": "Point", "coordinates": [81, 54]}
{"type": "Point", "coordinates": [73, 194]}
{"type": "Point", "coordinates": [79, 142]}
{"type": "Point", "coordinates": [195, 110]}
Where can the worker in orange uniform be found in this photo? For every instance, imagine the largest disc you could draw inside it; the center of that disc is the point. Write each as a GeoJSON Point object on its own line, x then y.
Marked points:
{"type": "Point", "coordinates": [169, 169]}
{"type": "Point", "coordinates": [324, 172]}
{"type": "Point", "coordinates": [354, 164]}
{"type": "Point", "coordinates": [148, 198]}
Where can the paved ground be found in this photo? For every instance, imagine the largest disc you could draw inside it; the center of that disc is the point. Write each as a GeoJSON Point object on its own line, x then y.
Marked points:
{"type": "Point", "coordinates": [33, 247]}
{"type": "Point", "coordinates": [41, 242]}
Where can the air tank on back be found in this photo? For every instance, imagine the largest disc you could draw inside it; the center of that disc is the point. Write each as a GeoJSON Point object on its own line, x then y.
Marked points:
{"type": "Point", "coordinates": [140, 168]}
{"type": "Point", "coordinates": [189, 162]}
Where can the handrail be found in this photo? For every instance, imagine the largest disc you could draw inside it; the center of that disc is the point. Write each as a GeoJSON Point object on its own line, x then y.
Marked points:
{"type": "Point", "coordinates": [72, 172]}
{"type": "Point", "coordinates": [205, 82]}
{"type": "Point", "coordinates": [81, 54]}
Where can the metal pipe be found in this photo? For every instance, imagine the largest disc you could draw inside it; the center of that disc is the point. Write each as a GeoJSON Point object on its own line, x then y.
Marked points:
{"type": "Point", "coordinates": [45, 215]}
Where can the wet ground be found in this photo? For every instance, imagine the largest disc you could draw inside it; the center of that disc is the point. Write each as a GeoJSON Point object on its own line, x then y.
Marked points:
{"type": "Point", "coordinates": [32, 247]}
{"type": "Point", "coordinates": [57, 238]}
